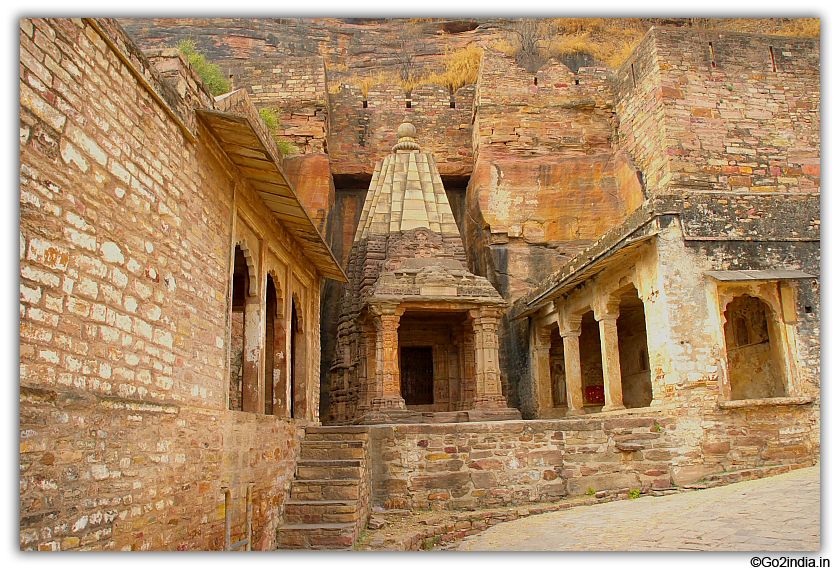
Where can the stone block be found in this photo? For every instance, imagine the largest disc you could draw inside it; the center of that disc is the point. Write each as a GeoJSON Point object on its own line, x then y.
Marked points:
{"type": "Point", "coordinates": [603, 482]}
{"type": "Point", "coordinates": [442, 481]}
{"type": "Point", "coordinates": [688, 474]}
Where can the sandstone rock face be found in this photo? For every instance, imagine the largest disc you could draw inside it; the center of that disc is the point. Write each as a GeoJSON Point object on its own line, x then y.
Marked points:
{"type": "Point", "coordinates": [310, 176]}
{"type": "Point", "coordinates": [548, 176]}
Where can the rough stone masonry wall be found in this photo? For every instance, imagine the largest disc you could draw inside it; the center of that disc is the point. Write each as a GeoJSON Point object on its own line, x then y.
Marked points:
{"type": "Point", "coordinates": [481, 465]}
{"type": "Point", "coordinates": [124, 246]}
{"type": "Point", "coordinates": [711, 111]}
{"type": "Point", "coordinates": [472, 466]}
{"type": "Point", "coordinates": [363, 129]}
{"type": "Point", "coordinates": [293, 86]}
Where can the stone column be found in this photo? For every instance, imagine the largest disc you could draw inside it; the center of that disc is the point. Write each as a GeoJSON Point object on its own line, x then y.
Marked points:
{"type": "Point", "coordinates": [252, 368]}
{"type": "Point", "coordinates": [571, 361]}
{"type": "Point", "coordinates": [613, 398]}
{"type": "Point", "coordinates": [388, 396]}
{"type": "Point", "coordinates": [541, 369]}
{"type": "Point", "coordinates": [366, 370]}
{"type": "Point", "coordinates": [467, 392]}
{"type": "Point", "coordinates": [488, 378]}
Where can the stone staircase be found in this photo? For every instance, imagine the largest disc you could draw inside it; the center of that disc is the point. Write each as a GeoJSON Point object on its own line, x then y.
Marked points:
{"type": "Point", "coordinates": [329, 499]}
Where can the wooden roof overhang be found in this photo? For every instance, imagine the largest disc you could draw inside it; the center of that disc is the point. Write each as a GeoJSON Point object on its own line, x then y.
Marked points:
{"type": "Point", "coordinates": [240, 141]}
{"type": "Point", "coordinates": [613, 256]}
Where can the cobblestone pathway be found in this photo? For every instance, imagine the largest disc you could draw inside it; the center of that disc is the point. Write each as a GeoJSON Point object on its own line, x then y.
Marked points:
{"type": "Point", "coordinates": [780, 513]}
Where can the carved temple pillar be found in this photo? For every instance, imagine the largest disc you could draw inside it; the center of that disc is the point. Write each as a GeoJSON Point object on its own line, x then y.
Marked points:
{"type": "Point", "coordinates": [466, 396]}
{"type": "Point", "coordinates": [366, 370]}
{"type": "Point", "coordinates": [606, 317]}
{"type": "Point", "coordinates": [574, 380]}
{"type": "Point", "coordinates": [488, 377]}
{"type": "Point", "coordinates": [386, 321]}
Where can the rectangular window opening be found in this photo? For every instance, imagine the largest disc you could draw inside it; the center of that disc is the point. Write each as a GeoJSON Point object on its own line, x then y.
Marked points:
{"type": "Point", "coordinates": [772, 58]}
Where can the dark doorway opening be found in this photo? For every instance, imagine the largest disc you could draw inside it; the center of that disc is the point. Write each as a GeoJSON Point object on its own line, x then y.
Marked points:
{"type": "Point", "coordinates": [591, 364]}
{"type": "Point", "coordinates": [237, 328]}
{"type": "Point", "coordinates": [417, 375]}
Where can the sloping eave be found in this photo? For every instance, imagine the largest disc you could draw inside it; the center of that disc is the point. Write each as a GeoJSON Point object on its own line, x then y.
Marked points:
{"type": "Point", "coordinates": [595, 266]}
{"type": "Point", "coordinates": [245, 148]}
{"type": "Point", "coordinates": [759, 275]}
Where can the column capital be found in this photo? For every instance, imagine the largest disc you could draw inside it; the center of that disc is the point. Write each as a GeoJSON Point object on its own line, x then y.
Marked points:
{"type": "Point", "coordinates": [486, 313]}
{"type": "Point", "coordinates": [569, 325]}
{"type": "Point", "coordinates": [381, 309]}
{"type": "Point", "coordinates": [606, 310]}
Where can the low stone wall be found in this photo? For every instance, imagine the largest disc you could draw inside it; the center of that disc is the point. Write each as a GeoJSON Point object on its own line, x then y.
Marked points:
{"type": "Point", "coordinates": [485, 465]}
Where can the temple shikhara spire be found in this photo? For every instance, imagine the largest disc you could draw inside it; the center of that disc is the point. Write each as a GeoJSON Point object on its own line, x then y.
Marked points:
{"type": "Point", "coordinates": [418, 333]}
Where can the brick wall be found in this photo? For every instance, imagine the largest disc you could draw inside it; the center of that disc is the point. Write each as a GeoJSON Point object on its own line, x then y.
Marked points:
{"type": "Point", "coordinates": [125, 241]}
{"type": "Point", "coordinates": [293, 86]}
{"type": "Point", "coordinates": [708, 111]}
{"type": "Point", "coordinates": [363, 130]}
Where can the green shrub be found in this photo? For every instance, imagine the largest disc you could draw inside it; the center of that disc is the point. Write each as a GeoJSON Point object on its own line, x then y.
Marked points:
{"type": "Point", "coordinates": [286, 148]}
{"type": "Point", "coordinates": [270, 118]}
{"type": "Point", "coordinates": [209, 72]}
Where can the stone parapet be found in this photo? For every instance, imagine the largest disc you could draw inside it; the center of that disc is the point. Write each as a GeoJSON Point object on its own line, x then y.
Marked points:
{"type": "Point", "coordinates": [481, 465]}
{"type": "Point", "coordinates": [363, 128]}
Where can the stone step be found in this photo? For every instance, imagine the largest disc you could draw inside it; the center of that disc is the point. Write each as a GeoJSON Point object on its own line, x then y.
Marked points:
{"type": "Point", "coordinates": [334, 444]}
{"type": "Point", "coordinates": [344, 430]}
{"type": "Point", "coordinates": [338, 536]}
{"type": "Point", "coordinates": [330, 469]}
{"type": "Point", "coordinates": [323, 511]}
{"type": "Point", "coordinates": [336, 433]}
{"type": "Point", "coordinates": [328, 450]}
{"type": "Point", "coordinates": [321, 490]}
{"type": "Point", "coordinates": [317, 512]}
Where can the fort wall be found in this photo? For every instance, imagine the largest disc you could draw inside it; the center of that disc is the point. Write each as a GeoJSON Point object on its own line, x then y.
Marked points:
{"type": "Point", "coordinates": [485, 465]}
{"type": "Point", "coordinates": [364, 128]}
{"type": "Point", "coordinates": [735, 112]}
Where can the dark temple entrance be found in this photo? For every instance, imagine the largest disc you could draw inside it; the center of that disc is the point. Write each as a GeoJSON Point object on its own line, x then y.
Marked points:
{"type": "Point", "coordinates": [417, 376]}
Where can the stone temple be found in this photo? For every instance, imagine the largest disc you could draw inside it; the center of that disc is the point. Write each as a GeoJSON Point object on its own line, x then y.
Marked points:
{"type": "Point", "coordinates": [418, 331]}
{"type": "Point", "coordinates": [548, 284]}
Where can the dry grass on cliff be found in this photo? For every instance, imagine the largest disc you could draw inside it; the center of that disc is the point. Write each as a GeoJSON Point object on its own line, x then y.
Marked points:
{"type": "Point", "coordinates": [795, 27]}
{"type": "Point", "coordinates": [460, 68]}
{"type": "Point", "coordinates": [611, 40]}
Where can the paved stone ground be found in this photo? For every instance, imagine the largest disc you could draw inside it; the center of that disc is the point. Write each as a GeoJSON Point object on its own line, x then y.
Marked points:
{"type": "Point", "coordinates": [780, 513]}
